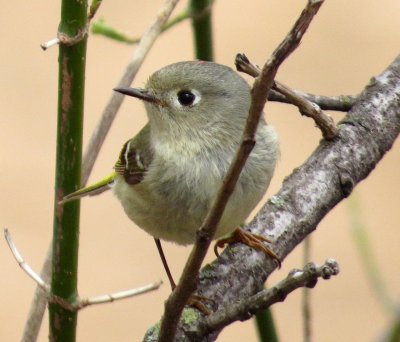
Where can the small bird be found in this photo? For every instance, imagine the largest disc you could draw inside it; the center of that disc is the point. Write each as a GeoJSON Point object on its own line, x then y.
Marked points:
{"type": "Point", "coordinates": [168, 175]}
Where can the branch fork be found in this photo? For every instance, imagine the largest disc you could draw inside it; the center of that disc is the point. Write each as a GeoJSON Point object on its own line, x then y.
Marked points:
{"type": "Point", "coordinates": [63, 38]}
{"type": "Point", "coordinates": [306, 107]}
{"type": "Point", "coordinates": [244, 309]}
{"type": "Point", "coordinates": [78, 303]}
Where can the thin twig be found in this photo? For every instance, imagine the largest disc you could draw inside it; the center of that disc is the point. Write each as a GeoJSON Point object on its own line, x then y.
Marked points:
{"type": "Point", "coordinates": [81, 303]}
{"type": "Point", "coordinates": [245, 309]}
{"type": "Point", "coordinates": [50, 43]}
{"type": "Point", "coordinates": [312, 110]}
{"type": "Point", "coordinates": [108, 298]}
{"type": "Point", "coordinates": [38, 304]}
{"type": "Point", "coordinates": [306, 107]}
{"type": "Point", "coordinates": [188, 281]}
{"type": "Point", "coordinates": [94, 6]}
{"type": "Point", "coordinates": [342, 103]}
{"type": "Point", "coordinates": [368, 258]}
{"type": "Point", "coordinates": [114, 103]}
{"type": "Point", "coordinates": [21, 262]}
{"type": "Point", "coordinates": [306, 296]}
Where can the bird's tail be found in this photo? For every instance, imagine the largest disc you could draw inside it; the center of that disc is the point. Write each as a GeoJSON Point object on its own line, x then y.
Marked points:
{"type": "Point", "coordinates": [91, 190]}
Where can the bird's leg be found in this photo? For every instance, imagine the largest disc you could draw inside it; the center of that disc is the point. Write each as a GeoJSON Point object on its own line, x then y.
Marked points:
{"type": "Point", "coordinates": [194, 300]}
{"type": "Point", "coordinates": [165, 264]}
{"type": "Point", "coordinates": [252, 240]}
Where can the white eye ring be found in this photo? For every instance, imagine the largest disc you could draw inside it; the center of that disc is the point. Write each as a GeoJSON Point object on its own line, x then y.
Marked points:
{"type": "Point", "coordinates": [186, 98]}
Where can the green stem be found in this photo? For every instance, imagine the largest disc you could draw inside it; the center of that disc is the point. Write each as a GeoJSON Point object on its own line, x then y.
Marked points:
{"type": "Point", "coordinates": [100, 27]}
{"type": "Point", "coordinates": [202, 28]}
{"type": "Point", "coordinates": [368, 259]}
{"type": "Point", "coordinates": [68, 170]}
{"type": "Point", "coordinates": [266, 326]}
{"type": "Point", "coordinates": [306, 295]}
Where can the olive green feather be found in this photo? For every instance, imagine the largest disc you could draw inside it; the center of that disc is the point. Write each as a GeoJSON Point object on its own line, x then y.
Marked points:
{"type": "Point", "coordinates": [132, 164]}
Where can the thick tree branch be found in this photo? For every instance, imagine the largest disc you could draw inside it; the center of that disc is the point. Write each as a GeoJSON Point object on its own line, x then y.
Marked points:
{"type": "Point", "coordinates": [367, 132]}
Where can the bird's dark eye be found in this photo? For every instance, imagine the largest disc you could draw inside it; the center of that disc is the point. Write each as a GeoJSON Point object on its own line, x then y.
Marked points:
{"type": "Point", "coordinates": [186, 97]}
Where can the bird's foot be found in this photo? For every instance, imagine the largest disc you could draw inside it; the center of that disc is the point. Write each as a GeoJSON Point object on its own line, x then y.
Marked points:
{"type": "Point", "coordinates": [197, 302]}
{"type": "Point", "coordinates": [252, 240]}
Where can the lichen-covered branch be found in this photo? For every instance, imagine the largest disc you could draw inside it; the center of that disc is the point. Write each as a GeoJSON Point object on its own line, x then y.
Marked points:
{"type": "Point", "coordinates": [328, 176]}
{"type": "Point", "coordinates": [246, 308]}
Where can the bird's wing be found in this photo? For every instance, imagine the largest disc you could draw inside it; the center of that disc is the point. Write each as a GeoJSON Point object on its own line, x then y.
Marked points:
{"type": "Point", "coordinates": [91, 190]}
{"type": "Point", "coordinates": [135, 157]}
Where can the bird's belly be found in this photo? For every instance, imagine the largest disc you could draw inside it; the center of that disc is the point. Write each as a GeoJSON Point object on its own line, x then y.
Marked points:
{"type": "Point", "coordinates": [163, 215]}
{"type": "Point", "coordinates": [176, 215]}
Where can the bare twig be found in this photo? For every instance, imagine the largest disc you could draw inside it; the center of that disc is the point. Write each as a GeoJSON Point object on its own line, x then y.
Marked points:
{"type": "Point", "coordinates": [50, 43]}
{"type": "Point", "coordinates": [306, 107]}
{"type": "Point", "coordinates": [21, 262]}
{"type": "Point", "coordinates": [312, 110]}
{"type": "Point", "coordinates": [110, 111]}
{"type": "Point", "coordinates": [341, 103]}
{"type": "Point", "coordinates": [81, 303]}
{"type": "Point", "coordinates": [108, 298]}
{"type": "Point", "coordinates": [188, 281]}
{"type": "Point", "coordinates": [245, 309]}
{"type": "Point", "coordinates": [306, 296]}
{"type": "Point", "coordinates": [94, 6]}
{"type": "Point", "coordinates": [39, 303]}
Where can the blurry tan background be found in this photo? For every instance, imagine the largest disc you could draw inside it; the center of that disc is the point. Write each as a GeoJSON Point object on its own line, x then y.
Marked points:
{"type": "Point", "coordinates": [349, 42]}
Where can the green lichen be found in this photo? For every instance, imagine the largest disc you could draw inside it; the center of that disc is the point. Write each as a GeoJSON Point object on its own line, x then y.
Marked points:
{"type": "Point", "coordinates": [208, 272]}
{"type": "Point", "coordinates": [153, 332]}
{"type": "Point", "coordinates": [189, 316]}
{"type": "Point", "coordinates": [277, 201]}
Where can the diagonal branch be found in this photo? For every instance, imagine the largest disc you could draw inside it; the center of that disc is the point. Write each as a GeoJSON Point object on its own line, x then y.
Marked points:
{"type": "Point", "coordinates": [187, 284]}
{"type": "Point", "coordinates": [341, 103]}
{"type": "Point", "coordinates": [110, 111]}
{"type": "Point", "coordinates": [246, 308]}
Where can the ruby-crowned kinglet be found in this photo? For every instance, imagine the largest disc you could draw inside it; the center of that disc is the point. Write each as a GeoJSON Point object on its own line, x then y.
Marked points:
{"type": "Point", "coordinates": [167, 176]}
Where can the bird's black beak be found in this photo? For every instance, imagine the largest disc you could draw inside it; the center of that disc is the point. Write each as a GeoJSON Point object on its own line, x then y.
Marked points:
{"type": "Point", "coordinates": [139, 93]}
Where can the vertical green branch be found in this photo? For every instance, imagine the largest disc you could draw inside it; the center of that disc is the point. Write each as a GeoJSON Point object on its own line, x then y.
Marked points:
{"type": "Point", "coordinates": [68, 169]}
{"type": "Point", "coordinates": [265, 326]}
{"type": "Point", "coordinates": [202, 29]}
